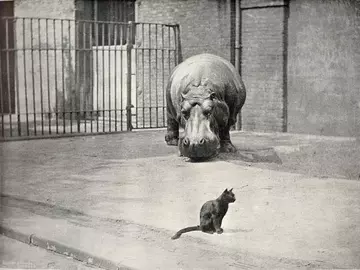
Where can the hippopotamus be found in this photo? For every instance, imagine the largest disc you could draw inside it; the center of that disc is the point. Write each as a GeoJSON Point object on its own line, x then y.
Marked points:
{"type": "Point", "coordinates": [204, 95]}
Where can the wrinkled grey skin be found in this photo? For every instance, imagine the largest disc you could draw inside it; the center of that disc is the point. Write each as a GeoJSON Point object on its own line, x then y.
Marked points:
{"type": "Point", "coordinates": [204, 95]}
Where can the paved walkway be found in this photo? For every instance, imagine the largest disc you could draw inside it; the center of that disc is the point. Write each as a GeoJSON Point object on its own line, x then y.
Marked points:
{"type": "Point", "coordinates": [114, 201]}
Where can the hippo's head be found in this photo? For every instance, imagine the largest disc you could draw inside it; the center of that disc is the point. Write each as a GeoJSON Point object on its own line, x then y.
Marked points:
{"type": "Point", "coordinates": [199, 118]}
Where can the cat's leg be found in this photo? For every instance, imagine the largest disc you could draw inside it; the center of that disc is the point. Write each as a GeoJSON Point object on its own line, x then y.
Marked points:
{"type": "Point", "coordinates": [207, 226]}
{"type": "Point", "coordinates": [217, 225]}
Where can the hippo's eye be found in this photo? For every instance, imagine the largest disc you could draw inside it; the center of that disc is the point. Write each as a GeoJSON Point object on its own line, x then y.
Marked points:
{"type": "Point", "coordinates": [207, 114]}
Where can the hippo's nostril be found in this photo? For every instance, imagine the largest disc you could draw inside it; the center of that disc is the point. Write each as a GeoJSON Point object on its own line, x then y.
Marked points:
{"type": "Point", "coordinates": [186, 142]}
{"type": "Point", "coordinates": [202, 141]}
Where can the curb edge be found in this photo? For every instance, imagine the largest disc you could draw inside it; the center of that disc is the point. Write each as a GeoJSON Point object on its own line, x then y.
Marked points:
{"type": "Point", "coordinates": [62, 249]}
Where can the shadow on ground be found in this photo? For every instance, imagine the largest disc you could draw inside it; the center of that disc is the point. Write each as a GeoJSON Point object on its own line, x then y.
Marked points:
{"type": "Point", "coordinates": [267, 155]}
{"type": "Point", "coordinates": [318, 156]}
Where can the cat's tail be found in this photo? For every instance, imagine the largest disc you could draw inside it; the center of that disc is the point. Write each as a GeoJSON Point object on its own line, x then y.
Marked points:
{"type": "Point", "coordinates": [185, 230]}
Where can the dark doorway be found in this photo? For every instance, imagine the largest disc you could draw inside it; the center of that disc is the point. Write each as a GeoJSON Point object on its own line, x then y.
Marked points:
{"type": "Point", "coordinates": [113, 11]}
{"type": "Point", "coordinates": [7, 58]}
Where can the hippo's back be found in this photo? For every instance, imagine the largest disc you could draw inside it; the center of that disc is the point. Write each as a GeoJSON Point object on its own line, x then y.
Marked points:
{"type": "Point", "coordinates": [207, 66]}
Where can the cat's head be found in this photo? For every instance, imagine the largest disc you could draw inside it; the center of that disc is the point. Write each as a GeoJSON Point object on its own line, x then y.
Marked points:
{"type": "Point", "coordinates": [228, 196]}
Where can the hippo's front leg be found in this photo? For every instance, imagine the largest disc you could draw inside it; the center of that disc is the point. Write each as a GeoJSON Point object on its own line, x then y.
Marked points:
{"type": "Point", "coordinates": [222, 111]}
{"type": "Point", "coordinates": [172, 136]}
{"type": "Point", "coordinates": [226, 145]}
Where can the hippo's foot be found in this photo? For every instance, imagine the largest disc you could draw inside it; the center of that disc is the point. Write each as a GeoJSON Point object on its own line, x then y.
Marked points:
{"type": "Point", "coordinates": [227, 147]}
{"type": "Point", "coordinates": [171, 139]}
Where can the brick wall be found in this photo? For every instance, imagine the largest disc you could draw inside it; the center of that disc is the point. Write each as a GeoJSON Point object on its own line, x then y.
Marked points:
{"type": "Point", "coordinates": [64, 9]}
{"type": "Point", "coordinates": [323, 69]}
{"type": "Point", "coordinates": [262, 65]}
{"type": "Point", "coordinates": [204, 24]}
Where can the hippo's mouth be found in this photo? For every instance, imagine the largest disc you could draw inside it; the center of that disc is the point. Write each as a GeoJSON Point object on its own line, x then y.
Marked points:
{"type": "Point", "coordinates": [203, 158]}
{"type": "Point", "coordinates": [199, 152]}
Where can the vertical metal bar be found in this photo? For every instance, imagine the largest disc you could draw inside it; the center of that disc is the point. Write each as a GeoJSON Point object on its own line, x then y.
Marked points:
{"type": "Point", "coordinates": [62, 72]}
{"type": "Point", "coordinates": [85, 52]}
{"type": "Point", "coordinates": [116, 26]}
{"type": "Point", "coordinates": [69, 90]}
{"type": "Point", "coordinates": [47, 72]}
{"type": "Point", "coordinates": [109, 68]}
{"type": "Point", "coordinates": [143, 75]}
{"type": "Point", "coordinates": [7, 47]}
{"type": "Point", "coordinates": [56, 85]}
{"type": "Point", "coordinates": [96, 36]}
{"type": "Point", "coordinates": [178, 45]}
{"type": "Point", "coordinates": [76, 92]}
{"type": "Point", "coordinates": [128, 59]}
{"type": "Point", "coordinates": [285, 63]}
{"type": "Point", "coordinates": [169, 49]}
{"type": "Point", "coordinates": [103, 72]}
{"type": "Point", "coordinates": [32, 73]}
{"type": "Point", "coordinates": [96, 11]}
{"type": "Point", "coordinates": [123, 11]}
{"type": "Point", "coordinates": [25, 80]}
{"type": "Point", "coordinates": [1, 96]}
{"type": "Point", "coordinates": [63, 76]}
{"type": "Point", "coordinates": [122, 76]}
{"type": "Point", "coordinates": [150, 74]}
{"type": "Point", "coordinates": [239, 58]}
{"type": "Point", "coordinates": [75, 97]}
{"type": "Point", "coordinates": [74, 88]}
{"type": "Point", "coordinates": [97, 74]}
{"type": "Point", "coordinates": [156, 75]}
{"type": "Point", "coordinates": [174, 28]}
{"type": "Point", "coordinates": [232, 30]}
{"type": "Point", "coordinates": [91, 54]}
{"type": "Point", "coordinates": [16, 71]}
{"type": "Point", "coordinates": [136, 50]}
{"type": "Point", "coordinates": [41, 84]}
{"type": "Point", "coordinates": [163, 71]}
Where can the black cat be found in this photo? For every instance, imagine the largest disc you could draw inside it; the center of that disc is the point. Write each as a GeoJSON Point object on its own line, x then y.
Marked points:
{"type": "Point", "coordinates": [211, 215]}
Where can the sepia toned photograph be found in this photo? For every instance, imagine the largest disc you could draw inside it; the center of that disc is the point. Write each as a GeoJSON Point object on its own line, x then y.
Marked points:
{"type": "Point", "coordinates": [179, 134]}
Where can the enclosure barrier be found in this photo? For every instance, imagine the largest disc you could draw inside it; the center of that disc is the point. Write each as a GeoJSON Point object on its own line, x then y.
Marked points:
{"type": "Point", "coordinates": [62, 77]}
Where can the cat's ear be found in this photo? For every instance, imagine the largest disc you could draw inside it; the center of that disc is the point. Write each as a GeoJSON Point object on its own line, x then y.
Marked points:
{"type": "Point", "coordinates": [226, 190]}
{"type": "Point", "coordinates": [231, 189]}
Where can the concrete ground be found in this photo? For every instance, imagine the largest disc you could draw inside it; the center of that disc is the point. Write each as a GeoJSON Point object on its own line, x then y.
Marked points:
{"type": "Point", "coordinates": [119, 198]}
{"type": "Point", "coordinates": [17, 255]}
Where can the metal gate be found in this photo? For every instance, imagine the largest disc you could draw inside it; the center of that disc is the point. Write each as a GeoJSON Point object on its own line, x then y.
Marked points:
{"type": "Point", "coordinates": [63, 77]}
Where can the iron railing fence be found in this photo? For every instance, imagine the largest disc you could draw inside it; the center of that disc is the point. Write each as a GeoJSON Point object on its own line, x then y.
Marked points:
{"type": "Point", "coordinates": [62, 77]}
{"type": "Point", "coordinates": [157, 53]}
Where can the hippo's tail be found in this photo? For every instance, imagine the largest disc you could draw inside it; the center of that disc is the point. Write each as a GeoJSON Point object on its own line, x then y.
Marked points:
{"type": "Point", "coordinates": [185, 230]}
